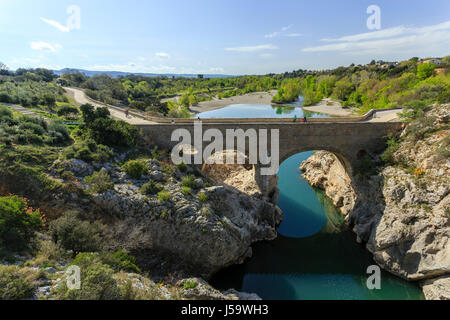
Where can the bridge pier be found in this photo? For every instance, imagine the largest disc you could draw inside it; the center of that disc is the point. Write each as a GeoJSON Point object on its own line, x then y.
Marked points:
{"type": "Point", "coordinates": [267, 184]}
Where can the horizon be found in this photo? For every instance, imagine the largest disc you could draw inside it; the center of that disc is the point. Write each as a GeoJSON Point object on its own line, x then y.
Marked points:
{"type": "Point", "coordinates": [258, 39]}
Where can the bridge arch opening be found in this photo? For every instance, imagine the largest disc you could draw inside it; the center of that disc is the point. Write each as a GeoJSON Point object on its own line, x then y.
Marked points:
{"type": "Point", "coordinates": [314, 192]}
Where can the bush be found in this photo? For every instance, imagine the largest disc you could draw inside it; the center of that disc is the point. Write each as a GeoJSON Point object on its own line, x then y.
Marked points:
{"type": "Point", "coordinates": [164, 196]}
{"type": "Point", "coordinates": [58, 130]}
{"type": "Point", "coordinates": [150, 188]}
{"type": "Point", "coordinates": [108, 131]}
{"type": "Point", "coordinates": [67, 110]}
{"type": "Point", "coordinates": [189, 285]}
{"type": "Point", "coordinates": [33, 127]}
{"type": "Point", "coordinates": [99, 181]}
{"type": "Point", "coordinates": [72, 233]}
{"type": "Point", "coordinates": [202, 197]}
{"type": "Point", "coordinates": [188, 181]}
{"type": "Point", "coordinates": [392, 147]}
{"type": "Point", "coordinates": [120, 261]}
{"type": "Point", "coordinates": [97, 284]}
{"type": "Point", "coordinates": [14, 284]}
{"type": "Point", "coordinates": [135, 168]}
{"type": "Point", "coordinates": [18, 224]}
{"type": "Point", "coordinates": [89, 151]}
{"type": "Point", "coordinates": [186, 191]}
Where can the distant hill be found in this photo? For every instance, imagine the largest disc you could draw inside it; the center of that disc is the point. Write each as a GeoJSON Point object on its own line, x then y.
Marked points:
{"type": "Point", "coordinates": [117, 74]}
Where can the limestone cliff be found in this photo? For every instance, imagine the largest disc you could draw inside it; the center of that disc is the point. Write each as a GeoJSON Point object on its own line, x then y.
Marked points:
{"type": "Point", "coordinates": [200, 234]}
{"type": "Point", "coordinates": [403, 212]}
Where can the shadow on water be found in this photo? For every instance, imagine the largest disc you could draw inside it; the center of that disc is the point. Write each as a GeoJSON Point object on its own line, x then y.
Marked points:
{"type": "Point", "coordinates": [314, 257]}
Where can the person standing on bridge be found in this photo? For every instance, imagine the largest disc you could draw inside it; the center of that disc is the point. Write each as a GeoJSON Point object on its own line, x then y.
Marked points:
{"type": "Point", "coordinates": [295, 118]}
{"type": "Point", "coordinates": [304, 119]}
{"type": "Point", "coordinates": [126, 113]}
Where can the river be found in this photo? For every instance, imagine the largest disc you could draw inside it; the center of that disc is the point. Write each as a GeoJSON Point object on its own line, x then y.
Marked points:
{"type": "Point", "coordinates": [315, 255]}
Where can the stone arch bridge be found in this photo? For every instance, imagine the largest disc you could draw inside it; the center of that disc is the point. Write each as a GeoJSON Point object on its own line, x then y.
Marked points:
{"type": "Point", "coordinates": [349, 141]}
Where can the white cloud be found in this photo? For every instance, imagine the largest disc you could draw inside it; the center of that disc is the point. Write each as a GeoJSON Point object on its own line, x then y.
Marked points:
{"type": "Point", "coordinates": [392, 32]}
{"type": "Point", "coordinates": [163, 55]}
{"type": "Point", "coordinates": [294, 35]}
{"type": "Point", "coordinates": [253, 48]}
{"type": "Point", "coordinates": [45, 46]}
{"type": "Point", "coordinates": [283, 29]}
{"type": "Point", "coordinates": [56, 25]}
{"type": "Point", "coordinates": [391, 40]}
{"type": "Point", "coordinates": [272, 35]}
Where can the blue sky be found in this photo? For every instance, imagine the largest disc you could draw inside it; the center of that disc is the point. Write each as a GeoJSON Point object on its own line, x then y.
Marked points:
{"type": "Point", "coordinates": [218, 36]}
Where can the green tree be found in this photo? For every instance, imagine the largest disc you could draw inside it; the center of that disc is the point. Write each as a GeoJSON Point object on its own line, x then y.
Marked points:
{"type": "Point", "coordinates": [18, 223]}
{"type": "Point", "coordinates": [425, 70]}
{"type": "Point", "coordinates": [343, 89]}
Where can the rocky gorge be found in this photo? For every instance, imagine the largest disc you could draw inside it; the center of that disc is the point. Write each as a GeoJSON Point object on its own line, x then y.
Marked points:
{"type": "Point", "coordinates": [402, 211]}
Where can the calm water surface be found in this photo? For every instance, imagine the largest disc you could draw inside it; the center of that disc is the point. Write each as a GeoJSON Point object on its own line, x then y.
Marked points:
{"type": "Point", "coordinates": [261, 111]}
{"type": "Point", "coordinates": [315, 255]}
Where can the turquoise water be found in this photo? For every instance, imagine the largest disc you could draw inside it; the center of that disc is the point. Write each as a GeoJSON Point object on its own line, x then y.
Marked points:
{"type": "Point", "coordinates": [314, 257]}
{"type": "Point", "coordinates": [261, 111]}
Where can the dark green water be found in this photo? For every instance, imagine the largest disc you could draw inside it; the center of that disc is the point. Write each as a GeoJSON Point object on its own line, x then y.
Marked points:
{"type": "Point", "coordinates": [314, 257]}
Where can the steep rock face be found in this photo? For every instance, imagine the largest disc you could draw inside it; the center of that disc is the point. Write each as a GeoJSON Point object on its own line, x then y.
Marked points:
{"type": "Point", "coordinates": [403, 212]}
{"type": "Point", "coordinates": [202, 235]}
{"type": "Point", "coordinates": [437, 289]}
{"type": "Point", "coordinates": [324, 171]}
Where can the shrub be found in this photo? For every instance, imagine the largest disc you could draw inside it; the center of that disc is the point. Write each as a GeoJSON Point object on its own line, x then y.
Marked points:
{"type": "Point", "coordinates": [67, 110]}
{"type": "Point", "coordinates": [164, 196]}
{"type": "Point", "coordinates": [58, 130]}
{"type": "Point", "coordinates": [33, 127]}
{"type": "Point", "coordinates": [135, 168]}
{"type": "Point", "coordinates": [120, 261]}
{"type": "Point", "coordinates": [89, 151]}
{"type": "Point", "coordinates": [14, 284]}
{"type": "Point", "coordinates": [108, 131]}
{"type": "Point", "coordinates": [99, 181]}
{"type": "Point", "coordinates": [72, 233]}
{"type": "Point", "coordinates": [188, 181]}
{"type": "Point", "coordinates": [392, 147]}
{"type": "Point", "coordinates": [202, 197]}
{"type": "Point", "coordinates": [97, 284]}
{"type": "Point", "coordinates": [186, 191]}
{"type": "Point", "coordinates": [150, 188]}
{"type": "Point", "coordinates": [18, 223]}
{"type": "Point", "coordinates": [189, 285]}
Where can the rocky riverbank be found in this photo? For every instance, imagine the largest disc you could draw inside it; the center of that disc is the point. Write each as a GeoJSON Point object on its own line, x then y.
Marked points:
{"type": "Point", "coordinates": [403, 212]}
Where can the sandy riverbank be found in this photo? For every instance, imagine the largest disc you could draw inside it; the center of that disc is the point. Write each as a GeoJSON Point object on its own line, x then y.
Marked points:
{"type": "Point", "coordinates": [249, 98]}
{"type": "Point", "coordinates": [329, 107]}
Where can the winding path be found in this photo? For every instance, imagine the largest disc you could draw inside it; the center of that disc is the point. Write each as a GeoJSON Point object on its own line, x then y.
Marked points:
{"type": "Point", "coordinates": [80, 97]}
